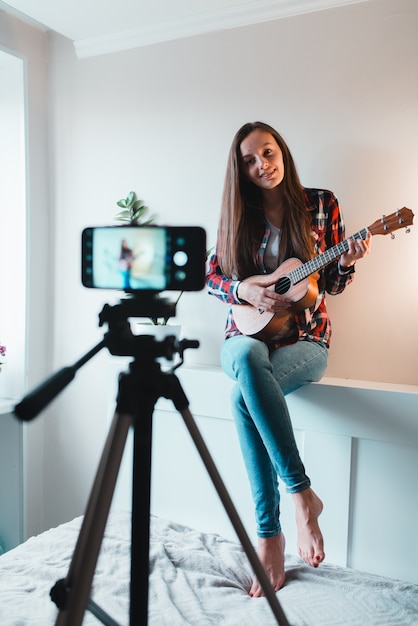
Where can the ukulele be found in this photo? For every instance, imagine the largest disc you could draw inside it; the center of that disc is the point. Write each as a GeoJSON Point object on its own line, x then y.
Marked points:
{"type": "Point", "coordinates": [299, 281]}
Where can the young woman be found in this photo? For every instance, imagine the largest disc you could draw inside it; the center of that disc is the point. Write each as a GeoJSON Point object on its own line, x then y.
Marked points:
{"type": "Point", "coordinates": [266, 217]}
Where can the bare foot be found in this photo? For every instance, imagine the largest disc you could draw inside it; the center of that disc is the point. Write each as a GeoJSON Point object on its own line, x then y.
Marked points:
{"type": "Point", "coordinates": [270, 551]}
{"type": "Point", "coordinates": [310, 540]}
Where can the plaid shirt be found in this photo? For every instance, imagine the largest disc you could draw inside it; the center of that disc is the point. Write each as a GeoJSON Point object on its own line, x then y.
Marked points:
{"type": "Point", "coordinates": [313, 323]}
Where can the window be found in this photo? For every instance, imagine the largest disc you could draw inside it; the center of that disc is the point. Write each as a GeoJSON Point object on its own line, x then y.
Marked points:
{"type": "Point", "coordinates": [12, 224]}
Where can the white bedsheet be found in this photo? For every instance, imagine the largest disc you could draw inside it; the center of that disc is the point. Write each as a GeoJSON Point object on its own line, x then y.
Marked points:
{"type": "Point", "coordinates": [196, 579]}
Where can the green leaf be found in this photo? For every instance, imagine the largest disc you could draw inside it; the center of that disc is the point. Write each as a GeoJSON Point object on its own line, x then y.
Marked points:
{"type": "Point", "coordinates": [131, 198]}
{"type": "Point", "coordinates": [123, 216]}
{"type": "Point", "coordinates": [138, 204]}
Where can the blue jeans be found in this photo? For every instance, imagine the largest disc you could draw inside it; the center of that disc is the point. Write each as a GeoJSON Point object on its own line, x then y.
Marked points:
{"type": "Point", "coordinates": [262, 418]}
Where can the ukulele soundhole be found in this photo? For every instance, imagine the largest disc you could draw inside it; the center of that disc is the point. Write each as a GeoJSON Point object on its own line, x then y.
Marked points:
{"type": "Point", "coordinates": [283, 285]}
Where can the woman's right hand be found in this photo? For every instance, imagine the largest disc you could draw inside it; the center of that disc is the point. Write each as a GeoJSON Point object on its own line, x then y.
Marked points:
{"type": "Point", "coordinates": [259, 291]}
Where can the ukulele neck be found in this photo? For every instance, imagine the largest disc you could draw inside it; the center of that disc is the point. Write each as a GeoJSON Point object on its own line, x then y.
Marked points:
{"type": "Point", "coordinates": [324, 259]}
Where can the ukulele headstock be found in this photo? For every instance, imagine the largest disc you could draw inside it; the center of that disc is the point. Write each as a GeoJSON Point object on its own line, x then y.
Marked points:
{"type": "Point", "coordinates": [402, 218]}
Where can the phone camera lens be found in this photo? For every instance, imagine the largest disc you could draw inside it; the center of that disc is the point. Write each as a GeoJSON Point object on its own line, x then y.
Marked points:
{"type": "Point", "coordinates": [180, 276]}
{"type": "Point", "coordinates": [180, 258]}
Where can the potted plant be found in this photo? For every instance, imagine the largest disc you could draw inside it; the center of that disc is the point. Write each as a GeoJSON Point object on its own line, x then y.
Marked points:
{"type": "Point", "coordinates": [134, 211]}
{"type": "Point", "coordinates": [2, 354]}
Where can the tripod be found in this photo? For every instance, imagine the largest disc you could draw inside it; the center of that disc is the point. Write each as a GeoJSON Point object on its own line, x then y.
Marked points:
{"type": "Point", "coordinates": [139, 390]}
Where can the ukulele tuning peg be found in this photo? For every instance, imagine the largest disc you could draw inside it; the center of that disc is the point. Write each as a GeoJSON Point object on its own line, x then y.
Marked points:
{"type": "Point", "coordinates": [392, 236]}
{"type": "Point", "coordinates": [407, 230]}
{"type": "Point", "coordinates": [383, 220]}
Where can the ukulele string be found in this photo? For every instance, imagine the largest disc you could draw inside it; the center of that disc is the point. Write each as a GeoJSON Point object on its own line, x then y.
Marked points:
{"type": "Point", "coordinates": [311, 266]}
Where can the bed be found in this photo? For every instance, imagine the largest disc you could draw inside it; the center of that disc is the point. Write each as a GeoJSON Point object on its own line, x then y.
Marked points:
{"type": "Point", "coordinates": [196, 579]}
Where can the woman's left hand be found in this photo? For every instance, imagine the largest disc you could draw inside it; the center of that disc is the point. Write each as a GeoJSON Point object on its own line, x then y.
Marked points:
{"type": "Point", "coordinates": [357, 249]}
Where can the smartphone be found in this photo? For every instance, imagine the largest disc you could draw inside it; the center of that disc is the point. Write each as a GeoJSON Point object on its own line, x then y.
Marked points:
{"type": "Point", "coordinates": [136, 258]}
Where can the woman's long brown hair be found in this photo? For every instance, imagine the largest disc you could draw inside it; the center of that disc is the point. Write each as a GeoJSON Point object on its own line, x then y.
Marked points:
{"type": "Point", "coordinates": [241, 222]}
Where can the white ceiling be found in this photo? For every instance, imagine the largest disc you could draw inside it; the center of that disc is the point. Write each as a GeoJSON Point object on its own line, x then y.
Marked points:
{"type": "Point", "coordinates": [98, 26]}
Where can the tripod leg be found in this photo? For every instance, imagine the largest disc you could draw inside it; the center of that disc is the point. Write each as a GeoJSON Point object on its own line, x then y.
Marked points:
{"type": "Point", "coordinates": [234, 517]}
{"type": "Point", "coordinates": [75, 588]}
{"type": "Point", "coordinates": [138, 393]}
{"type": "Point", "coordinates": [174, 391]}
{"type": "Point", "coordinates": [141, 493]}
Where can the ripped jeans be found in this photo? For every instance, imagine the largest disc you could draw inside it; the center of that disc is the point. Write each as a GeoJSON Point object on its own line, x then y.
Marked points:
{"type": "Point", "coordinates": [262, 418]}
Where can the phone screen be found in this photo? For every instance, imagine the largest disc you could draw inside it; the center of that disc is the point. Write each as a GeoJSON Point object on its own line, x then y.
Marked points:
{"type": "Point", "coordinates": [135, 258]}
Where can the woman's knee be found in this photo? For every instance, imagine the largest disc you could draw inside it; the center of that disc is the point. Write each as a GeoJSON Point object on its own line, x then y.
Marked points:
{"type": "Point", "coordinates": [299, 364]}
{"type": "Point", "coordinates": [242, 352]}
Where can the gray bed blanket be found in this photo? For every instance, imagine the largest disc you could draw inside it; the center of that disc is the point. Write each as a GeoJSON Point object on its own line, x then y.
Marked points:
{"type": "Point", "coordinates": [196, 579]}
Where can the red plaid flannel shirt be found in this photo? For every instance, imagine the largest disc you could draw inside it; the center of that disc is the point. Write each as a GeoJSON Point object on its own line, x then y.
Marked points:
{"type": "Point", "coordinates": [312, 323]}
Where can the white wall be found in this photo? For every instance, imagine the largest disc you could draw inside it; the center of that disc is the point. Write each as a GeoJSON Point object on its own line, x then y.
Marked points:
{"type": "Point", "coordinates": [339, 84]}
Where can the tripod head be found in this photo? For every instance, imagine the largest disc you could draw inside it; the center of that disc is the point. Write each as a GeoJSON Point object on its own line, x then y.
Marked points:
{"type": "Point", "coordinates": [120, 341]}
{"type": "Point", "coordinates": [138, 304]}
